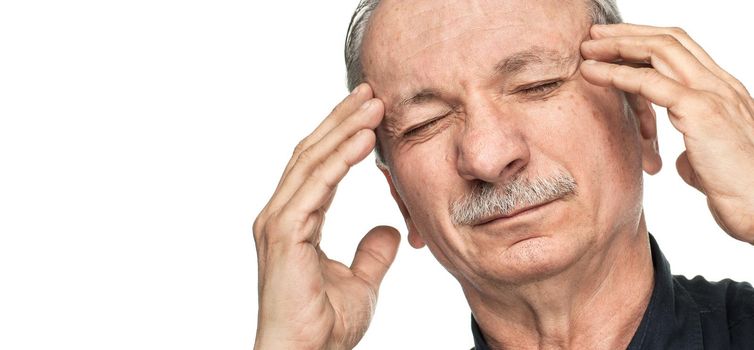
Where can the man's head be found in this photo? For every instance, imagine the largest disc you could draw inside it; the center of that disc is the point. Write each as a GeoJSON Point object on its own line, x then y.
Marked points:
{"type": "Point", "coordinates": [486, 116]}
{"type": "Point", "coordinates": [600, 12]}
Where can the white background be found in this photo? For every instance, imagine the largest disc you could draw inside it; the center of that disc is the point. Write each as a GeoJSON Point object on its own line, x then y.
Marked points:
{"type": "Point", "coordinates": [139, 139]}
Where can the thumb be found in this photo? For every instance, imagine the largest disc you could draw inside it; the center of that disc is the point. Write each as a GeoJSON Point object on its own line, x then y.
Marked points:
{"type": "Point", "coordinates": [375, 254]}
{"type": "Point", "coordinates": [687, 172]}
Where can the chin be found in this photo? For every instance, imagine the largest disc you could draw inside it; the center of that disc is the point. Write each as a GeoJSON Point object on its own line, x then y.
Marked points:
{"type": "Point", "coordinates": [533, 259]}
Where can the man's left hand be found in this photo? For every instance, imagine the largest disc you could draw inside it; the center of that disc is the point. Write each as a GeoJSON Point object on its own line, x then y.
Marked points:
{"type": "Point", "coordinates": [713, 110]}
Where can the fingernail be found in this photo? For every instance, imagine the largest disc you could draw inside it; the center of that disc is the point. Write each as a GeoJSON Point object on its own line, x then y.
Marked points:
{"type": "Point", "coordinates": [356, 90]}
{"type": "Point", "coordinates": [589, 62]}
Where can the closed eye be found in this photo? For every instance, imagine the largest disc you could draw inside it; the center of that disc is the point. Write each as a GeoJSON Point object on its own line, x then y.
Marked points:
{"type": "Point", "coordinates": [423, 127]}
{"type": "Point", "coordinates": [541, 89]}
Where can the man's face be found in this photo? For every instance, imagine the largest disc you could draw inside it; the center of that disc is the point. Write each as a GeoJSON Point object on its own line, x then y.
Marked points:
{"type": "Point", "coordinates": [488, 93]}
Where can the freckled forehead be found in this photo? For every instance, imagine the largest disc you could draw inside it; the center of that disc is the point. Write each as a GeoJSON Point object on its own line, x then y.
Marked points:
{"type": "Point", "coordinates": [424, 43]}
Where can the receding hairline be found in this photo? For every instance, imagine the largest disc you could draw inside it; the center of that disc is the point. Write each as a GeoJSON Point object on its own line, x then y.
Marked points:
{"type": "Point", "coordinates": [599, 11]}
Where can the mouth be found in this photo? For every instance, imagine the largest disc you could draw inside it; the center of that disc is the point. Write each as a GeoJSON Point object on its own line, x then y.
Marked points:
{"type": "Point", "coordinates": [508, 216]}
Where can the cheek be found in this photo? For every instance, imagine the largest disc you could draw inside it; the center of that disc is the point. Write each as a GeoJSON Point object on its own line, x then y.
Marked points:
{"type": "Point", "coordinates": [604, 155]}
{"type": "Point", "coordinates": [616, 140]}
{"type": "Point", "coordinates": [589, 129]}
{"type": "Point", "coordinates": [419, 174]}
{"type": "Point", "coordinates": [427, 181]}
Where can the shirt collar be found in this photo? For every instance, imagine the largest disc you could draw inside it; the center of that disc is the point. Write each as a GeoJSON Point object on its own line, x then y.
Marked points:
{"type": "Point", "coordinates": [670, 321]}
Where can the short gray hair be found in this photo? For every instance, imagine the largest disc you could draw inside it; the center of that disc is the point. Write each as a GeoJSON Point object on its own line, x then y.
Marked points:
{"type": "Point", "coordinates": [601, 12]}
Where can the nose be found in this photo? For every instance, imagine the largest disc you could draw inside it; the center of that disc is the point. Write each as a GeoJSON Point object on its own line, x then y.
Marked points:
{"type": "Point", "coordinates": [491, 147]}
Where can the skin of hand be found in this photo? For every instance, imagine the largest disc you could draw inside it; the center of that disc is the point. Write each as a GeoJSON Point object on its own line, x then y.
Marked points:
{"type": "Point", "coordinates": [713, 110]}
{"type": "Point", "coordinates": [307, 301]}
{"type": "Point", "coordinates": [310, 302]}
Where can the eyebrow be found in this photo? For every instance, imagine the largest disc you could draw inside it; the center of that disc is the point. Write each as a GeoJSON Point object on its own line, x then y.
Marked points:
{"type": "Point", "coordinates": [522, 60]}
{"type": "Point", "coordinates": [420, 97]}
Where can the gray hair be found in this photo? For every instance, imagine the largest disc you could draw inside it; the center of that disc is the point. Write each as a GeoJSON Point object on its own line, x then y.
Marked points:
{"type": "Point", "coordinates": [601, 12]}
{"type": "Point", "coordinates": [486, 199]}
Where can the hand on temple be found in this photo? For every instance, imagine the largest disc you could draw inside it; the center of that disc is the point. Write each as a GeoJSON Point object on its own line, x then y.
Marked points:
{"type": "Point", "coordinates": [307, 301]}
{"type": "Point", "coordinates": [713, 110]}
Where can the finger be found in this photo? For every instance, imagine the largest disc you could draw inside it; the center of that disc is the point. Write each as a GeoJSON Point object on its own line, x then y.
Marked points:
{"type": "Point", "coordinates": [375, 254]}
{"type": "Point", "coordinates": [317, 189]}
{"type": "Point", "coordinates": [368, 116]}
{"type": "Point", "coordinates": [645, 82]}
{"type": "Point", "coordinates": [612, 30]}
{"type": "Point", "coordinates": [662, 52]}
{"type": "Point", "coordinates": [687, 172]}
{"type": "Point", "coordinates": [655, 87]}
{"type": "Point", "coordinates": [343, 110]}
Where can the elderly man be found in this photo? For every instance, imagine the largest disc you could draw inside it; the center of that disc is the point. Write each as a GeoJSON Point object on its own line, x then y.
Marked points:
{"type": "Point", "coordinates": [513, 135]}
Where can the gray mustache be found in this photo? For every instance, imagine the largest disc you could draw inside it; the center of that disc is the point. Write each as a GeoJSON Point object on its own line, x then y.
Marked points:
{"type": "Point", "coordinates": [487, 199]}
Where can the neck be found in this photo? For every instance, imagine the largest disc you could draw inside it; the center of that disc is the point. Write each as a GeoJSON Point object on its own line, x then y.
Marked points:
{"type": "Point", "coordinates": [596, 304]}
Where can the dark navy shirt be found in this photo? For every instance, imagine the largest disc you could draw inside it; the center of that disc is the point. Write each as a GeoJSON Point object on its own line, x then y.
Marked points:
{"type": "Point", "coordinates": [687, 314]}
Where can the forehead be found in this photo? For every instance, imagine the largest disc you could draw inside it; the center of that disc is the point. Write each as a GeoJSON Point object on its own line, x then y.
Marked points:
{"type": "Point", "coordinates": [433, 43]}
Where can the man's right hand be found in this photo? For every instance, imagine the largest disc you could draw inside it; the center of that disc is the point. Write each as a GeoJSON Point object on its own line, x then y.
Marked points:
{"type": "Point", "coordinates": [307, 301]}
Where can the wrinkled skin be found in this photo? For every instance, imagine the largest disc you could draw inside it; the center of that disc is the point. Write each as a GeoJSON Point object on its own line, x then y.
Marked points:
{"type": "Point", "coordinates": [496, 132]}
{"type": "Point", "coordinates": [573, 273]}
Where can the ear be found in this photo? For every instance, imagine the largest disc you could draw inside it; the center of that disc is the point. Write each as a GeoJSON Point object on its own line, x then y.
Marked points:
{"type": "Point", "coordinates": [414, 239]}
{"type": "Point", "coordinates": [650, 150]}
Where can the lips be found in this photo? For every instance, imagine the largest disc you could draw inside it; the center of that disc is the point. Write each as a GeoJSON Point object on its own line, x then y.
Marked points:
{"type": "Point", "coordinates": [518, 211]}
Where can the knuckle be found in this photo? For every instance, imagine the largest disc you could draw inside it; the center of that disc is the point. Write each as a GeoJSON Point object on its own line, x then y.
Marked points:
{"type": "Point", "coordinates": [273, 229]}
{"type": "Point", "coordinates": [677, 32]}
{"type": "Point", "coordinates": [738, 84]}
{"type": "Point", "coordinates": [342, 157]}
{"type": "Point", "coordinates": [667, 40]}
{"type": "Point", "coordinates": [613, 69]}
{"type": "Point", "coordinates": [729, 93]}
{"type": "Point", "coordinates": [652, 76]}
{"type": "Point", "coordinates": [263, 230]}
{"type": "Point", "coordinates": [613, 73]}
{"type": "Point", "coordinates": [318, 177]}
{"type": "Point", "coordinates": [273, 225]}
{"type": "Point", "coordinates": [258, 227]}
{"type": "Point", "coordinates": [378, 258]}
{"type": "Point", "coordinates": [649, 76]}
{"type": "Point", "coordinates": [301, 147]}
{"type": "Point", "coordinates": [739, 87]}
{"type": "Point", "coordinates": [304, 156]}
